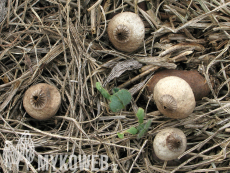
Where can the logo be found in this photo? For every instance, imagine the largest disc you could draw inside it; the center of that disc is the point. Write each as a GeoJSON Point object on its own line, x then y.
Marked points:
{"type": "Point", "coordinates": [24, 150]}
{"type": "Point", "coordinates": [73, 162]}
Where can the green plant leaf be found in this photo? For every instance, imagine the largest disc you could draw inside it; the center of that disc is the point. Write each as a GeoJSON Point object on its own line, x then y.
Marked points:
{"type": "Point", "coordinates": [124, 96]}
{"type": "Point", "coordinates": [132, 131]}
{"type": "Point", "coordinates": [147, 125]}
{"type": "Point", "coordinates": [120, 135]}
{"type": "Point", "coordinates": [115, 90]}
{"type": "Point", "coordinates": [144, 129]}
{"type": "Point", "coordinates": [115, 104]}
{"type": "Point", "coordinates": [103, 91]}
{"type": "Point", "coordinates": [141, 134]}
{"type": "Point", "coordinates": [119, 100]}
{"type": "Point", "coordinates": [140, 115]}
{"type": "Point", "coordinates": [140, 127]}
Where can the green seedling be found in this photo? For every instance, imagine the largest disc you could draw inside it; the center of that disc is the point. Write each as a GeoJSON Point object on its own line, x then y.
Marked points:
{"type": "Point", "coordinates": [118, 100]}
{"type": "Point", "coordinates": [141, 128]}
{"type": "Point", "coordinates": [132, 131]}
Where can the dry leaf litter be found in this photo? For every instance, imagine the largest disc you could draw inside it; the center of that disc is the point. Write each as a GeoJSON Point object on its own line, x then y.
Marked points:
{"type": "Point", "coordinates": [65, 43]}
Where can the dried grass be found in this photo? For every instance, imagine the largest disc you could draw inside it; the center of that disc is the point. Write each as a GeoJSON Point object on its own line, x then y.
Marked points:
{"type": "Point", "coordinates": [65, 44]}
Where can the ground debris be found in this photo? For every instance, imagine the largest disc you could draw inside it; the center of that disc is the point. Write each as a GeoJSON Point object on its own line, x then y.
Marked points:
{"type": "Point", "coordinates": [50, 41]}
{"type": "Point", "coordinates": [3, 9]}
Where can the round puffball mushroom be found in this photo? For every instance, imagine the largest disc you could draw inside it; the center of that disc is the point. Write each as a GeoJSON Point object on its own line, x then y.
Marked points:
{"type": "Point", "coordinates": [42, 101]}
{"type": "Point", "coordinates": [126, 31]}
{"type": "Point", "coordinates": [196, 81]}
{"type": "Point", "coordinates": [174, 97]}
{"type": "Point", "coordinates": [169, 144]}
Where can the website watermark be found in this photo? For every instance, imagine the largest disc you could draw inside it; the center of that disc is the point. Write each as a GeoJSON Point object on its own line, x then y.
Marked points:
{"type": "Point", "coordinates": [24, 151]}
{"type": "Point", "coordinates": [73, 162]}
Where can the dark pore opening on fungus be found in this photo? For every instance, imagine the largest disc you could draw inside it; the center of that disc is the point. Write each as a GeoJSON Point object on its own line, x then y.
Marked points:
{"type": "Point", "coordinates": [121, 33]}
{"type": "Point", "coordinates": [38, 99]}
{"type": "Point", "coordinates": [174, 142]}
{"type": "Point", "coordinates": [168, 103]}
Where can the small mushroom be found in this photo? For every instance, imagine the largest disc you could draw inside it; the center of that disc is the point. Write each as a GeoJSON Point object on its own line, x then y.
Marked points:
{"type": "Point", "coordinates": [169, 143]}
{"type": "Point", "coordinates": [126, 31]}
{"type": "Point", "coordinates": [174, 97]}
{"type": "Point", "coordinates": [196, 81]}
{"type": "Point", "coordinates": [42, 101]}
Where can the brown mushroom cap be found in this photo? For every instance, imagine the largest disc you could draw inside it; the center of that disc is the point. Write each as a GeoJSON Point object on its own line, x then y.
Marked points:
{"type": "Point", "coordinates": [42, 101]}
{"type": "Point", "coordinates": [169, 143]}
{"type": "Point", "coordinates": [196, 81]}
{"type": "Point", "coordinates": [174, 97]}
{"type": "Point", "coordinates": [126, 31]}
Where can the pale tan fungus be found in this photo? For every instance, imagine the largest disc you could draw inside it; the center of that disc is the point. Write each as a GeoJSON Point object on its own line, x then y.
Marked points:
{"type": "Point", "coordinates": [126, 31]}
{"type": "Point", "coordinates": [174, 97]}
{"type": "Point", "coordinates": [42, 101]}
{"type": "Point", "coordinates": [169, 143]}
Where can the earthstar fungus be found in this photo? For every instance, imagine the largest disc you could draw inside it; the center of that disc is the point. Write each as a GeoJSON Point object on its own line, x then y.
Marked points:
{"type": "Point", "coordinates": [174, 97]}
{"type": "Point", "coordinates": [196, 81]}
{"type": "Point", "coordinates": [175, 91]}
{"type": "Point", "coordinates": [169, 143]}
{"type": "Point", "coordinates": [126, 31]}
{"type": "Point", "coordinates": [42, 101]}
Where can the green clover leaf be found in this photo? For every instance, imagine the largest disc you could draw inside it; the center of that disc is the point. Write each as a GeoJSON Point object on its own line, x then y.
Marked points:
{"type": "Point", "coordinates": [118, 100]}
